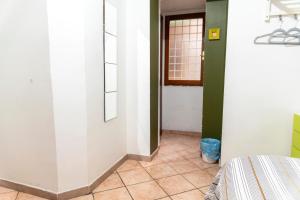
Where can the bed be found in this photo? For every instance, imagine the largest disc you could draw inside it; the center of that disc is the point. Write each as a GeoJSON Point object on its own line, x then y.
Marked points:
{"type": "Point", "coordinates": [257, 178]}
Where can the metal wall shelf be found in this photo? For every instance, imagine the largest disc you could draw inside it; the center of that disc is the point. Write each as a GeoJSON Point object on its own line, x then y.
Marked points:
{"type": "Point", "coordinates": [285, 8]}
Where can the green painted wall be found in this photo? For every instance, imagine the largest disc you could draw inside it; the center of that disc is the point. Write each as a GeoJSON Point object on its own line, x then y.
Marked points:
{"type": "Point", "coordinates": [154, 73]}
{"type": "Point", "coordinates": [214, 69]}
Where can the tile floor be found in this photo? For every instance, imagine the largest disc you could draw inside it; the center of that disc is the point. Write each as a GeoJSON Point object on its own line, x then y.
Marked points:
{"type": "Point", "coordinates": [176, 173]}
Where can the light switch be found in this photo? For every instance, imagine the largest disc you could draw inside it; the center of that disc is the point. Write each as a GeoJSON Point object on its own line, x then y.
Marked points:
{"type": "Point", "coordinates": [214, 34]}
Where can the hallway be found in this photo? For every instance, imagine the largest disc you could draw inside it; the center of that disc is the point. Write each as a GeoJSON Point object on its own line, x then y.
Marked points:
{"type": "Point", "coordinates": [177, 172]}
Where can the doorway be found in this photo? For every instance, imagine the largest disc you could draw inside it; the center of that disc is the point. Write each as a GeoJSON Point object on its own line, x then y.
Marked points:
{"type": "Point", "coordinates": [182, 63]}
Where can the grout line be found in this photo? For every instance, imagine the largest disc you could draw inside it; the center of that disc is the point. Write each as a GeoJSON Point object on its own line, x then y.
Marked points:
{"type": "Point", "coordinates": [201, 192]}
{"type": "Point", "coordinates": [183, 192]}
{"type": "Point", "coordinates": [182, 174]}
{"type": "Point", "coordinates": [128, 169]}
{"type": "Point", "coordinates": [140, 182]}
{"type": "Point", "coordinates": [108, 190]}
{"type": "Point", "coordinates": [162, 161]}
{"type": "Point", "coordinates": [189, 182]}
{"type": "Point", "coordinates": [195, 188]}
{"type": "Point", "coordinates": [156, 179]}
{"type": "Point", "coordinates": [156, 183]}
{"type": "Point", "coordinates": [9, 191]}
{"type": "Point", "coordinates": [17, 195]}
{"type": "Point", "coordinates": [125, 186]}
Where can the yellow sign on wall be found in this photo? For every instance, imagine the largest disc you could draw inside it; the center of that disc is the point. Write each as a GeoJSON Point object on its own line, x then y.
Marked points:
{"type": "Point", "coordinates": [214, 34]}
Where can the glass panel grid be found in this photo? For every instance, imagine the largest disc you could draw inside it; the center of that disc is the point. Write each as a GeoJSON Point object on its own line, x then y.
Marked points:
{"type": "Point", "coordinates": [185, 46]}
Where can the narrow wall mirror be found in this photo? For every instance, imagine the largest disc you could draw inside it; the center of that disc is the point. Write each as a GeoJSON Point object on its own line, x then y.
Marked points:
{"type": "Point", "coordinates": [110, 42]}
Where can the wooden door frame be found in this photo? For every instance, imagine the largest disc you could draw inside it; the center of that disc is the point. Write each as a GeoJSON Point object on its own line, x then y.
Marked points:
{"type": "Point", "coordinates": [161, 71]}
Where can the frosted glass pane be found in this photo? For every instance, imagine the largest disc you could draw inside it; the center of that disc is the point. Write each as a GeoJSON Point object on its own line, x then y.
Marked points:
{"type": "Point", "coordinates": [185, 55]}
{"type": "Point", "coordinates": [172, 52]}
{"type": "Point", "coordinates": [172, 60]}
{"type": "Point", "coordinates": [200, 21]}
{"type": "Point", "coordinates": [179, 66]}
{"type": "Point", "coordinates": [186, 22]}
{"type": "Point", "coordinates": [172, 23]}
{"type": "Point", "coordinates": [193, 37]}
{"type": "Point", "coordinates": [178, 30]}
{"type": "Point", "coordinates": [178, 52]}
{"type": "Point", "coordinates": [111, 18]}
{"type": "Point", "coordinates": [200, 28]}
{"type": "Point", "coordinates": [178, 60]}
{"type": "Point", "coordinates": [172, 30]}
{"type": "Point", "coordinates": [186, 29]}
{"type": "Point", "coordinates": [178, 22]}
{"type": "Point", "coordinates": [111, 78]}
{"type": "Point", "coordinates": [193, 29]}
{"type": "Point", "coordinates": [111, 105]}
{"type": "Point", "coordinates": [193, 45]}
{"type": "Point", "coordinates": [194, 22]}
{"type": "Point", "coordinates": [110, 49]}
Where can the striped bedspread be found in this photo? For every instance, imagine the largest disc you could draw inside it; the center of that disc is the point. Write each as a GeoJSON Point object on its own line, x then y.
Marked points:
{"type": "Point", "coordinates": [257, 178]}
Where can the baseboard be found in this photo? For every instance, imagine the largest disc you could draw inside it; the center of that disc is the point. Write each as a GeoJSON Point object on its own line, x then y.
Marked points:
{"type": "Point", "coordinates": [189, 133]}
{"type": "Point", "coordinates": [143, 158]}
{"type": "Point", "coordinates": [139, 157]}
{"type": "Point", "coordinates": [109, 172]}
{"type": "Point", "coordinates": [89, 189]}
{"type": "Point", "coordinates": [76, 192]}
{"type": "Point", "coordinates": [28, 189]}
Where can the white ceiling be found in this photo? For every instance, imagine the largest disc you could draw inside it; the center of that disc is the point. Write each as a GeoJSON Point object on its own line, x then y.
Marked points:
{"type": "Point", "coordinates": [181, 5]}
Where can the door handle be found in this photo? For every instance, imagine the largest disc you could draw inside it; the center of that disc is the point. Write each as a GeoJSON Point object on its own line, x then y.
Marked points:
{"type": "Point", "coordinates": [203, 55]}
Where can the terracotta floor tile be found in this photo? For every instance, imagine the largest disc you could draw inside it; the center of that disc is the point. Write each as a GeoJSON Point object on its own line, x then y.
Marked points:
{"type": "Point", "coordinates": [112, 182]}
{"type": "Point", "coordinates": [183, 166]}
{"type": "Point", "coordinates": [195, 149]}
{"type": "Point", "coordinates": [195, 155]}
{"type": "Point", "coordinates": [201, 164]}
{"type": "Point", "coordinates": [155, 161]}
{"type": "Point", "coordinates": [183, 153]}
{"type": "Point", "coordinates": [175, 184]}
{"type": "Point", "coordinates": [115, 194]}
{"type": "Point", "coordinates": [199, 178]}
{"type": "Point", "coordinates": [146, 191]}
{"type": "Point", "coordinates": [161, 171]}
{"type": "Point", "coordinates": [129, 165]}
{"type": "Point", "coordinates": [8, 196]}
{"type": "Point", "coordinates": [86, 197]}
{"type": "Point", "coordinates": [135, 176]}
{"type": "Point", "coordinates": [180, 147]}
{"type": "Point", "coordinates": [25, 196]}
{"type": "Point", "coordinates": [172, 157]}
{"type": "Point", "coordinates": [166, 149]}
{"type": "Point", "coordinates": [204, 190]}
{"type": "Point", "coordinates": [5, 190]}
{"type": "Point", "coordinates": [179, 154]}
{"type": "Point", "coordinates": [191, 195]}
{"type": "Point", "coordinates": [213, 170]}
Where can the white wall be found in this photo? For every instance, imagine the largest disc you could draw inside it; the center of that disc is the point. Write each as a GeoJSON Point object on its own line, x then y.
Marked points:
{"type": "Point", "coordinates": [86, 146]}
{"type": "Point", "coordinates": [52, 129]}
{"type": "Point", "coordinates": [138, 76]}
{"type": "Point", "coordinates": [67, 59]}
{"type": "Point", "coordinates": [181, 106]}
{"type": "Point", "coordinates": [261, 86]}
{"type": "Point", "coordinates": [170, 6]}
{"type": "Point", "coordinates": [27, 140]}
{"type": "Point", "coordinates": [106, 141]}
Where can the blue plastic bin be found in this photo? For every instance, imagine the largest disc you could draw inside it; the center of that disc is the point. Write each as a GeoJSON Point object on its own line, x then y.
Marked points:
{"type": "Point", "coordinates": [210, 150]}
